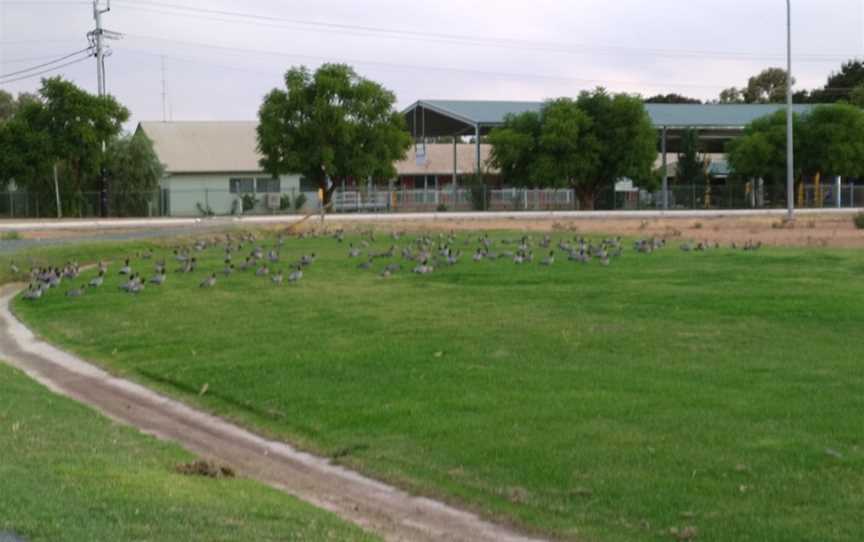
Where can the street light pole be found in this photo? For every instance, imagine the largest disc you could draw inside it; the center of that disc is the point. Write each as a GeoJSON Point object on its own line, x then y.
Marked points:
{"type": "Point", "coordinates": [790, 150]}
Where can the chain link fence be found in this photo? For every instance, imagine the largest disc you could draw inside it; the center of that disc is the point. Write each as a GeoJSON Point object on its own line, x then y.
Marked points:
{"type": "Point", "coordinates": [210, 202]}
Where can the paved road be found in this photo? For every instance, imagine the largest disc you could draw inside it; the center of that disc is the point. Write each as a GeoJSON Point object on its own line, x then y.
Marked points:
{"type": "Point", "coordinates": [388, 511]}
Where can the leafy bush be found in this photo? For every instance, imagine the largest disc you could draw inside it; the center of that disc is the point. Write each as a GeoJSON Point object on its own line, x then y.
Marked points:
{"type": "Point", "coordinates": [205, 210]}
{"type": "Point", "coordinates": [859, 221]}
{"type": "Point", "coordinates": [299, 201]}
{"type": "Point", "coordinates": [441, 208]}
{"type": "Point", "coordinates": [285, 202]}
{"type": "Point", "coordinates": [249, 202]}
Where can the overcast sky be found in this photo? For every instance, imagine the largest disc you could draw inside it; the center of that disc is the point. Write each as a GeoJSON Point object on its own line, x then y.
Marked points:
{"type": "Point", "coordinates": [222, 56]}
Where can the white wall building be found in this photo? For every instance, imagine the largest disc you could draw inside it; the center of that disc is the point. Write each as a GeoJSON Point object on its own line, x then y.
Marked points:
{"type": "Point", "coordinates": [213, 165]}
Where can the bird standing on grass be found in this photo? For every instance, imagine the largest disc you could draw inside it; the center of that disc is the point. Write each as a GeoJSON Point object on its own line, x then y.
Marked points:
{"type": "Point", "coordinates": [97, 281]}
{"type": "Point", "coordinates": [208, 282]}
{"type": "Point", "coordinates": [159, 278]}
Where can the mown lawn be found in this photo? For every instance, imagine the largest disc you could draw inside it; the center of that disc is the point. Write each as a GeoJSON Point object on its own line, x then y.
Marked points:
{"type": "Point", "coordinates": [67, 473]}
{"type": "Point", "coordinates": [718, 393]}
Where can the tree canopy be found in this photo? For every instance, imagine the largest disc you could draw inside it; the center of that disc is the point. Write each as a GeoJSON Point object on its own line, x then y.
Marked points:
{"type": "Point", "coordinates": [671, 99]}
{"type": "Point", "coordinates": [135, 171]}
{"type": "Point", "coordinates": [768, 86]}
{"type": "Point", "coordinates": [585, 144]}
{"type": "Point", "coordinates": [331, 124]}
{"type": "Point", "coordinates": [64, 126]}
{"type": "Point", "coordinates": [828, 140]}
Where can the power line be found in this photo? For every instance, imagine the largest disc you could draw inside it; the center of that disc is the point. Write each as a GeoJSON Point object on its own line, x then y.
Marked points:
{"type": "Point", "coordinates": [36, 67]}
{"type": "Point", "coordinates": [424, 67]}
{"type": "Point", "coordinates": [372, 31]}
{"type": "Point", "coordinates": [37, 74]}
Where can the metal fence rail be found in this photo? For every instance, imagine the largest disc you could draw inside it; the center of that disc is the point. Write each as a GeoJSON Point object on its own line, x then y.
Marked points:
{"type": "Point", "coordinates": [200, 202]}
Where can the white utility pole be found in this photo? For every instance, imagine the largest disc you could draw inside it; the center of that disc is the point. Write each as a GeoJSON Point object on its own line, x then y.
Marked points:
{"type": "Point", "coordinates": [98, 37]}
{"type": "Point", "coordinates": [790, 149]}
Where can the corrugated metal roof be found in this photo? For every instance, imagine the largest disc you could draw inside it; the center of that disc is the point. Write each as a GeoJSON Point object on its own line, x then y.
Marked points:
{"type": "Point", "coordinates": [671, 115]}
{"type": "Point", "coordinates": [205, 147]}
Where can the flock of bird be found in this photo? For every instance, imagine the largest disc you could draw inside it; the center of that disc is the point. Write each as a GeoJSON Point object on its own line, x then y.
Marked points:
{"type": "Point", "coordinates": [422, 254]}
{"type": "Point", "coordinates": [265, 264]}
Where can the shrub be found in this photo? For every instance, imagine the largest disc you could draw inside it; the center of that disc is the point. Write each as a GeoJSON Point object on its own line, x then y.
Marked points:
{"type": "Point", "coordinates": [285, 202]}
{"type": "Point", "coordinates": [859, 221]}
{"type": "Point", "coordinates": [442, 208]}
{"type": "Point", "coordinates": [299, 201]}
{"type": "Point", "coordinates": [11, 235]}
{"type": "Point", "coordinates": [205, 210]}
{"type": "Point", "coordinates": [249, 202]}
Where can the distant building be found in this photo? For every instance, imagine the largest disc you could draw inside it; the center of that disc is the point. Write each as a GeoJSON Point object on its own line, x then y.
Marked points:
{"type": "Point", "coordinates": [213, 164]}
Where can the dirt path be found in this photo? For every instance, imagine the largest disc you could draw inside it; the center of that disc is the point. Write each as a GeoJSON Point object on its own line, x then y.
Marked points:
{"type": "Point", "coordinates": [380, 508]}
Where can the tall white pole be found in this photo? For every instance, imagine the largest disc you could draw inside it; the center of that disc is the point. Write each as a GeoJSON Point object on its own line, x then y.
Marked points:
{"type": "Point", "coordinates": [790, 149]}
{"type": "Point", "coordinates": [100, 57]}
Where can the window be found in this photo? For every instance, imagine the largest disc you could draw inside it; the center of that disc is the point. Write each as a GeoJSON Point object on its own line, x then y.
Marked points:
{"type": "Point", "coordinates": [243, 185]}
{"type": "Point", "coordinates": [268, 186]}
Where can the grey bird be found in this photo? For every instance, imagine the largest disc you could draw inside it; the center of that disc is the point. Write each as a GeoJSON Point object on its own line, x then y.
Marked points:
{"type": "Point", "coordinates": [159, 278]}
{"type": "Point", "coordinates": [209, 282]}
{"type": "Point", "coordinates": [296, 275]}
{"type": "Point", "coordinates": [97, 281]}
{"type": "Point", "coordinates": [75, 292]}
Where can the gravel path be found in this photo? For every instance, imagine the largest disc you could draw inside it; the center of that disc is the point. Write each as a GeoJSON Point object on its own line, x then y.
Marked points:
{"type": "Point", "coordinates": [378, 507]}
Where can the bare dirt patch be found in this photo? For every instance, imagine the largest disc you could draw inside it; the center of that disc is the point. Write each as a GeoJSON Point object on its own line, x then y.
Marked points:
{"type": "Point", "coordinates": [808, 231]}
{"type": "Point", "coordinates": [208, 469]}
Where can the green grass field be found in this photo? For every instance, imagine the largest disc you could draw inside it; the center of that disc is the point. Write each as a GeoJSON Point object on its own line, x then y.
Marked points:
{"type": "Point", "coordinates": [721, 390]}
{"type": "Point", "coordinates": [66, 473]}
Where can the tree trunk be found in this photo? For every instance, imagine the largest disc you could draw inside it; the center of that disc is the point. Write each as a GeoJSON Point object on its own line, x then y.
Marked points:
{"type": "Point", "coordinates": [586, 198]}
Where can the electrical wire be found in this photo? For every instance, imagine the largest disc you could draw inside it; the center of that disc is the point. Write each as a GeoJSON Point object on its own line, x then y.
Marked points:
{"type": "Point", "coordinates": [38, 66]}
{"type": "Point", "coordinates": [390, 65]}
{"type": "Point", "coordinates": [372, 31]}
{"type": "Point", "coordinates": [43, 72]}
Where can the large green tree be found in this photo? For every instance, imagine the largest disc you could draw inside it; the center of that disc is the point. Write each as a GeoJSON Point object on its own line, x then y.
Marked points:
{"type": "Point", "coordinates": [135, 172]}
{"type": "Point", "coordinates": [331, 124]}
{"type": "Point", "coordinates": [761, 151]}
{"type": "Point", "coordinates": [833, 141]}
{"type": "Point", "coordinates": [622, 141]}
{"type": "Point", "coordinates": [515, 147]}
{"type": "Point", "coordinates": [65, 126]}
{"type": "Point", "coordinates": [828, 140]}
{"type": "Point", "coordinates": [585, 144]}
